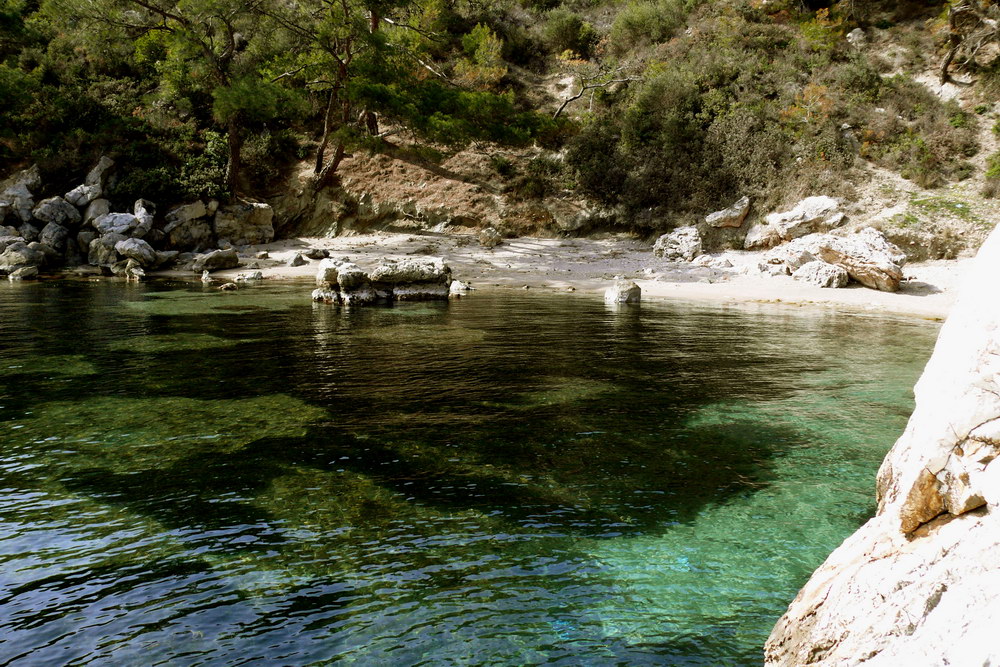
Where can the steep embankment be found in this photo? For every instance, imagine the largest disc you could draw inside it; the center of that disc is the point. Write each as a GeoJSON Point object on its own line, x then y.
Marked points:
{"type": "Point", "coordinates": [918, 584]}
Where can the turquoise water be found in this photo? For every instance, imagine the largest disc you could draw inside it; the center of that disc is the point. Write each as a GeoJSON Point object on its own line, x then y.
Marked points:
{"type": "Point", "coordinates": [204, 477]}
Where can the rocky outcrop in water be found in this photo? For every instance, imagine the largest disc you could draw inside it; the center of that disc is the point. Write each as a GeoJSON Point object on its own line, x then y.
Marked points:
{"type": "Point", "coordinates": [80, 228]}
{"type": "Point", "coordinates": [918, 584]}
{"type": "Point", "coordinates": [623, 291]}
{"type": "Point", "coordinates": [343, 282]}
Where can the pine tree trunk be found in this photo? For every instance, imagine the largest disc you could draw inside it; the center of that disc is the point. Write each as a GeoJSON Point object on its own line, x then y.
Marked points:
{"type": "Point", "coordinates": [235, 164]}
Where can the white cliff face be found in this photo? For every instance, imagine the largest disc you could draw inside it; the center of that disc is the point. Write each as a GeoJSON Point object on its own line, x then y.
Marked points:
{"type": "Point", "coordinates": [919, 584]}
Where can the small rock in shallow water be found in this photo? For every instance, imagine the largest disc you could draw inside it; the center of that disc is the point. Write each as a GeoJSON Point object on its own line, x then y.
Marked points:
{"type": "Point", "coordinates": [262, 255]}
{"type": "Point", "coordinates": [623, 291]}
{"type": "Point", "coordinates": [228, 287]}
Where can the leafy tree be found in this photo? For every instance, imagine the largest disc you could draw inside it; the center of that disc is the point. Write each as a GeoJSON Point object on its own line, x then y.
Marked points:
{"type": "Point", "coordinates": [208, 53]}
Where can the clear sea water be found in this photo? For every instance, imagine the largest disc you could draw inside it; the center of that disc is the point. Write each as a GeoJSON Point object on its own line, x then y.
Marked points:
{"type": "Point", "coordinates": [193, 477]}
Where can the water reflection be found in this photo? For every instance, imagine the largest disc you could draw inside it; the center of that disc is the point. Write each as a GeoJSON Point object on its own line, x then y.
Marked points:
{"type": "Point", "coordinates": [501, 480]}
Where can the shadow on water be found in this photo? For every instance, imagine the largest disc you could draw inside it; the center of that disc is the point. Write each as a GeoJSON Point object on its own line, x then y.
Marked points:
{"type": "Point", "coordinates": [361, 469]}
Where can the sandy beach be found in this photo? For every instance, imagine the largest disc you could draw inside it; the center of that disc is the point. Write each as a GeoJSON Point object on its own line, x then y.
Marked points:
{"type": "Point", "coordinates": [589, 266]}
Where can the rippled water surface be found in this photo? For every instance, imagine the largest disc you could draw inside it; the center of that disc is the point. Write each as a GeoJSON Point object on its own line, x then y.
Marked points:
{"type": "Point", "coordinates": [192, 477]}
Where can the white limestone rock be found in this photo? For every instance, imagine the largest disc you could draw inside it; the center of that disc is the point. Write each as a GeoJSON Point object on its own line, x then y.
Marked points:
{"type": "Point", "coordinates": [809, 216]}
{"type": "Point", "coordinates": [216, 260]}
{"type": "Point", "coordinates": [139, 250]}
{"type": "Point", "coordinates": [822, 274]}
{"type": "Point", "coordinates": [683, 244]}
{"type": "Point", "coordinates": [115, 223]}
{"type": "Point", "coordinates": [918, 584]}
{"type": "Point", "coordinates": [730, 217]}
{"type": "Point", "coordinates": [410, 270]}
{"type": "Point", "coordinates": [98, 175]}
{"type": "Point", "coordinates": [57, 210]}
{"type": "Point", "coordinates": [623, 291]}
{"type": "Point", "coordinates": [82, 195]}
{"type": "Point", "coordinates": [867, 256]}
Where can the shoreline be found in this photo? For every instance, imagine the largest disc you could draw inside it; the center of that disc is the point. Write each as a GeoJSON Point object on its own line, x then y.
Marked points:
{"type": "Point", "coordinates": [590, 265]}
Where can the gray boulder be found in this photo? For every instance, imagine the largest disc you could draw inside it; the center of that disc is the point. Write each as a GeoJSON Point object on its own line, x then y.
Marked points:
{"type": "Point", "coordinates": [54, 235]}
{"type": "Point", "coordinates": [29, 232]}
{"type": "Point", "coordinates": [98, 175]}
{"type": "Point", "coordinates": [102, 250]}
{"type": "Point", "coordinates": [623, 291]}
{"type": "Point", "coordinates": [164, 257]}
{"type": "Point", "coordinates": [245, 223]}
{"type": "Point", "coordinates": [115, 223]}
{"type": "Point", "coordinates": [19, 200]}
{"type": "Point", "coordinates": [350, 276]}
{"type": "Point", "coordinates": [794, 255]}
{"type": "Point", "coordinates": [57, 210]}
{"type": "Point", "coordinates": [30, 178]}
{"type": "Point", "coordinates": [809, 216]}
{"type": "Point", "coordinates": [23, 273]}
{"type": "Point", "coordinates": [812, 214]}
{"type": "Point", "coordinates": [730, 217]}
{"type": "Point", "coordinates": [50, 255]}
{"type": "Point", "coordinates": [405, 271]}
{"type": "Point", "coordinates": [822, 274]}
{"type": "Point", "coordinates": [297, 260]}
{"type": "Point", "coordinates": [96, 209]}
{"type": "Point", "coordinates": [216, 260]}
{"type": "Point", "coordinates": [682, 244]}
{"type": "Point", "coordinates": [325, 295]}
{"type": "Point", "coordinates": [328, 271]}
{"type": "Point", "coordinates": [490, 238]}
{"type": "Point", "coordinates": [138, 250]}
{"type": "Point", "coordinates": [186, 213]}
{"type": "Point", "coordinates": [82, 195]}
{"type": "Point", "coordinates": [316, 253]}
{"type": "Point", "coordinates": [18, 255]}
{"type": "Point", "coordinates": [144, 212]}
{"type": "Point", "coordinates": [193, 234]}
{"type": "Point", "coordinates": [84, 238]}
{"type": "Point", "coordinates": [868, 257]}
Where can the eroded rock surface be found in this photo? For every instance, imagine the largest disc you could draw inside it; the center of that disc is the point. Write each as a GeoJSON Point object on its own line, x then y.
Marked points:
{"type": "Point", "coordinates": [919, 583]}
{"type": "Point", "coordinates": [682, 244]}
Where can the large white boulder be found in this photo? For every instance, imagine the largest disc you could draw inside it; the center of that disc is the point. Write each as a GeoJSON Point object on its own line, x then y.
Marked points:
{"type": "Point", "coordinates": [822, 274]}
{"type": "Point", "coordinates": [623, 291]}
{"type": "Point", "coordinates": [682, 244]}
{"type": "Point", "coordinates": [809, 216]}
{"type": "Point", "coordinates": [918, 584]}
{"type": "Point", "coordinates": [867, 256]}
{"type": "Point", "coordinates": [730, 217]}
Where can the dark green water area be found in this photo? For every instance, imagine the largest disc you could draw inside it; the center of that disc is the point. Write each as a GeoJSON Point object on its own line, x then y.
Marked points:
{"type": "Point", "coordinates": [194, 477]}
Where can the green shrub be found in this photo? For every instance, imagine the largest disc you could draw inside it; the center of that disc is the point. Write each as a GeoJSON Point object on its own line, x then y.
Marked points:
{"type": "Point", "coordinates": [642, 23]}
{"type": "Point", "coordinates": [566, 31]}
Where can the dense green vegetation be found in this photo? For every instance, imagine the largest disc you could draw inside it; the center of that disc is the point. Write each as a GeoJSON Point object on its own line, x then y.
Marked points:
{"type": "Point", "coordinates": [681, 104]}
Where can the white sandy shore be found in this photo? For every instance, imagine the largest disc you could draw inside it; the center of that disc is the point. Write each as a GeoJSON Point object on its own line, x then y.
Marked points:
{"type": "Point", "coordinates": [587, 265]}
